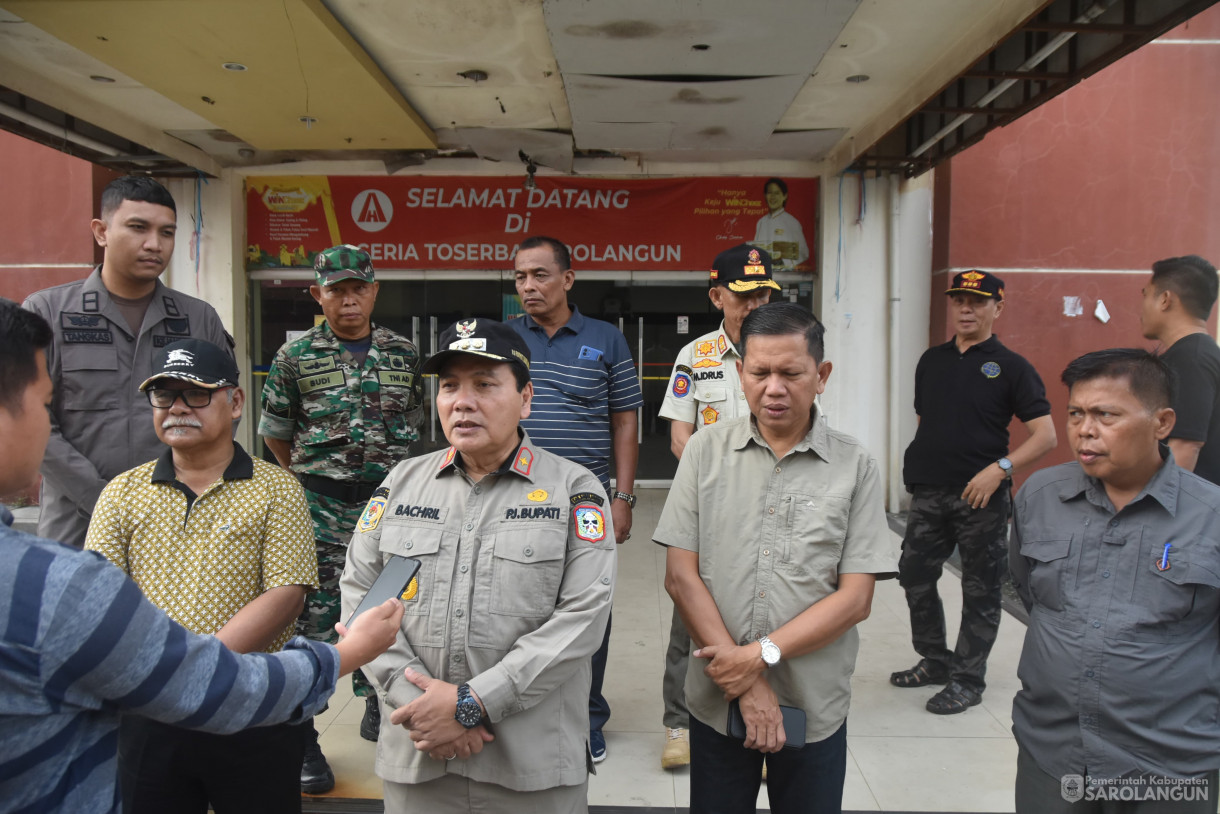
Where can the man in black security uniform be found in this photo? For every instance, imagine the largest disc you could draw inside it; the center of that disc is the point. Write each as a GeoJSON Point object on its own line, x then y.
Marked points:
{"type": "Point", "coordinates": [959, 471]}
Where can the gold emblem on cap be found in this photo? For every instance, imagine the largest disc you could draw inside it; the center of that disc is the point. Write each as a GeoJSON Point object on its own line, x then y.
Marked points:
{"type": "Point", "coordinates": [465, 328]}
{"type": "Point", "coordinates": [972, 276]}
{"type": "Point", "coordinates": [754, 256]}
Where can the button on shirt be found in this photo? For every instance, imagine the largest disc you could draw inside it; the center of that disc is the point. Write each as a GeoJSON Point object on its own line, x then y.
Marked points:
{"type": "Point", "coordinates": [1120, 671]}
{"type": "Point", "coordinates": [772, 538]}
{"type": "Point", "coordinates": [513, 597]}
{"type": "Point", "coordinates": [704, 387]}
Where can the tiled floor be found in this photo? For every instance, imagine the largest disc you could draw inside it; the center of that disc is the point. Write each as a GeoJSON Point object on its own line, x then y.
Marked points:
{"type": "Point", "coordinates": [901, 758]}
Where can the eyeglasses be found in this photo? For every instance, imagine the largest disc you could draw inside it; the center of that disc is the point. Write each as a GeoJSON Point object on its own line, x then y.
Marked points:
{"type": "Point", "coordinates": [164, 397]}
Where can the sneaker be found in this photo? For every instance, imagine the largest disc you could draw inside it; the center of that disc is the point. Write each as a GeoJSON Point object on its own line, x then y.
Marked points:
{"type": "Point", "coordinates": [677, 749]}
{"type": "Point", "coordinates": [370, 724]}
{"type": "Point", "coordinates": [597, 746]}
{"type": "Point", "coordinates": [316, 776]}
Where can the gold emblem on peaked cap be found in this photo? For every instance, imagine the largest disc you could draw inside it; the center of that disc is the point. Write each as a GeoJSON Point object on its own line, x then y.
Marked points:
{"type": "Point", "coordinates": [754, 257]}
{"type": "Point", "coordinates": [465, 328]}
{"type": "Point", "coordinates": [972, 276]}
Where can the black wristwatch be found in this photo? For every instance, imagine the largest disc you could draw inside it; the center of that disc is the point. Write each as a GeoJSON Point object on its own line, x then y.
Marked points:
{"type": "Point", "coordinates": [468, 713]}
{"type": "Point", "coordinates": [624, 496]}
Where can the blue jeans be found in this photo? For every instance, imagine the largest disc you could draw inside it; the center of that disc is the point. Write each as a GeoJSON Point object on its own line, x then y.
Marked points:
{"type": "Point", "coordinates": [599, 707]}
{"type": "Point", "coordinates": [725, 776]}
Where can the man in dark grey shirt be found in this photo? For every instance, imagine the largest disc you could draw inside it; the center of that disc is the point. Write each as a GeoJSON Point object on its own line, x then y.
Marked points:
{"type": "Point", "coordinates": [1117, 557]}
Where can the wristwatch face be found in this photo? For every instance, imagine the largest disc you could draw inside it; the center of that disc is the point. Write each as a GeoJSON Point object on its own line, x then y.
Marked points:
{"type": "Point", "coordinates": [1006, 465]}
{"type": "Point", "coordinates": [770, 652]}
{"type": "Point", "coordinates": [468, 713]}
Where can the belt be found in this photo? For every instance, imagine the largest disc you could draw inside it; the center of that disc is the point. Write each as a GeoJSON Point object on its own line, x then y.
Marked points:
{"type": "Point", "coordinates": [347, 491]}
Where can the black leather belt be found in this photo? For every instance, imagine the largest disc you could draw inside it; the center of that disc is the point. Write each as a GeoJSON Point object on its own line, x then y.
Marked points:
{"type": "Point", "coordinates": [347, 491]}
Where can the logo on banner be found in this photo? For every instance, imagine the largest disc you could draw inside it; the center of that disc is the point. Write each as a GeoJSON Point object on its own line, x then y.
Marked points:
{"type": "Point", "coordinates": [372, 210]}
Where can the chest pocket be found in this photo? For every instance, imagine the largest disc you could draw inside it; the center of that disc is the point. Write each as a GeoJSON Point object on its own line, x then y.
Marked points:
{"type": "Point", "coordinates": [584, 381]}
{"type": "Point", "coordinates": [1162, 601]}
{"type": "Point", "coordinates": [1047, 569]}
{"type": "Point", "coordinates": [89, 378]}
{"type": "Point", "coordinates": [712, 394]}
{"type": "Point", "coordinates": [815, 528]}
{"type": "Point", "coordinates": [398, 401]}
{"type": "Point", "coordinates": [325, 409]}
{"type": "Point", "coordinates": [527, 568]}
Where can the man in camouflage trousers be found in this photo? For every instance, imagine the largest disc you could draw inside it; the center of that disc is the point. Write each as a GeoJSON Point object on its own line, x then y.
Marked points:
{"type": "Point", "coordinates": [340, 407]}
{"type": "Point", "coordinates": [959, 470]}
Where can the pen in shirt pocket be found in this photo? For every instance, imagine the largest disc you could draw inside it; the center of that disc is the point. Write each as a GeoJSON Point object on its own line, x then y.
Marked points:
{"type": "Point", "coordinates": [1163, 563]}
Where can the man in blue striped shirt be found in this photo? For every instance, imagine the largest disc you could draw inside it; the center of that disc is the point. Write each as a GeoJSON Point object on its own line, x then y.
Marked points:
{"type": "Point", "coordinates": [80, 644]}
{"type": "Point", "coordinates": [586, 394]}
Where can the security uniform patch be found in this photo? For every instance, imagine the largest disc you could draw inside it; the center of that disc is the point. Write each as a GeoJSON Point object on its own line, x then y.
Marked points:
{"type": "Point", "coordinates": [587, 497]}
{"type": "Point", "coordinates": [374, 510]}
{"type": "Point", "coordinates": [705, 348]}
{"type": "Point", "coordinates": [990, 369]}
{"type": "Point", "coordinates": [590, 524]}
{"type": "Point", "coordinates": [681, 387]}
{"type": "Point", "coordinates": [710, 415]}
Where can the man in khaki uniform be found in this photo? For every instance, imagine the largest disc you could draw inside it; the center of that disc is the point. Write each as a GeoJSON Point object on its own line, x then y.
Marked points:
{"type": "Point", "coordinates": [518, 561]}
{"type": "Point", "coordinates": [776, 532]}
{"type": "Point", "coordinates": [704, 389]}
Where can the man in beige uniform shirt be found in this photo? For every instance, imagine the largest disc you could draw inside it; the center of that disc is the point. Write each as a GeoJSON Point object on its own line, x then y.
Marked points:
{"type": "Point", "coordinates": [776, 533]}
{"type": "Point", "coordinates": [704, 388]}
{"type": "Point", "coordinates": [490, 676]}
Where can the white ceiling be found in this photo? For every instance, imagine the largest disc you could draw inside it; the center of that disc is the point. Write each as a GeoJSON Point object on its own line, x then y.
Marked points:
{"type": "Point", "coordinates": [673, 82]}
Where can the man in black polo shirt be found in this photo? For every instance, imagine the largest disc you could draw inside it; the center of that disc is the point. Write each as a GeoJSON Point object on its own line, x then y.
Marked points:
{"type": "Point", "coordinates": [959, 471]}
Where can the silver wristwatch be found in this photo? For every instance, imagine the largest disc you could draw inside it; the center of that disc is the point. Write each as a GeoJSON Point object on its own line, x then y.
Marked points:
{"type": "Point", "coordinates": [770, 651]}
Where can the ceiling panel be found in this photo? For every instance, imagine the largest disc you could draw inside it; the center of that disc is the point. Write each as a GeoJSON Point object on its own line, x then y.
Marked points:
{"type": "Point", "coordinates": [694, 37]}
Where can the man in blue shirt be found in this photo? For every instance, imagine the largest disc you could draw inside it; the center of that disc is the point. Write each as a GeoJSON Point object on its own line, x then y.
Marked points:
{"type": "Point", "coordinates": [586, 394]}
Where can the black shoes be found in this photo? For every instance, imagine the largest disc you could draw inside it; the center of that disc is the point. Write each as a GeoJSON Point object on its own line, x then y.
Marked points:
{"type": "Point", "coordinates": [316, 776]}
{"type": "Point", "coordinates": [370, 724]}
{"type": "Point", "coordinates": [954, 698]}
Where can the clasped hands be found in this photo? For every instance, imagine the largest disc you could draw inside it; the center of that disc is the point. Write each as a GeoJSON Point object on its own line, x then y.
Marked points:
{"type": "Point", "coordinates": [738, 671]}
{"type": "Point", "coordinates": [430, 719]}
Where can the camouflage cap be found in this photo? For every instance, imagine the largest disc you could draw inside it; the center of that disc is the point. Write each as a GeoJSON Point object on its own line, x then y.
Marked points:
{"type": "Point", "coordinates": [345, 262]}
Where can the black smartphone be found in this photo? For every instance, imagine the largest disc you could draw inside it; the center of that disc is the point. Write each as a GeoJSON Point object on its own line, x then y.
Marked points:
{"type": "Point", "coordinates": [794, 724]}
{"type": "Point", "coordinates": [395, 580]}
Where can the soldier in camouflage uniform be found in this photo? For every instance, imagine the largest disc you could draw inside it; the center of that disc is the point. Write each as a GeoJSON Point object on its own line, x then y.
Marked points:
{"type": "Point", "coordinates": [340, 407]}
{"type": "Point", "coordinates": [959, 469]}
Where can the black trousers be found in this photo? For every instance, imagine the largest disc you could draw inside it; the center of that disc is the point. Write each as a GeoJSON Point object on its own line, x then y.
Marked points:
{"type": "Point", "coordinates": [940, 520]}
{"type": "Point", "coordinates": [168, 770]}
{"type": "Point", "coordinates": [725, 776]}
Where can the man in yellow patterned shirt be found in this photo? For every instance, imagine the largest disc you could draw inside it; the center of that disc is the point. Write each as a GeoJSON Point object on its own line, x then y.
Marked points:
{"type": "Point", "coordinates": [223, 544]}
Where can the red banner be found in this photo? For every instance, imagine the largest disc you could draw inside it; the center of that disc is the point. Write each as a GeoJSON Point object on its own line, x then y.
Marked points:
{"type": "Point", "coordinates": [474, 223]}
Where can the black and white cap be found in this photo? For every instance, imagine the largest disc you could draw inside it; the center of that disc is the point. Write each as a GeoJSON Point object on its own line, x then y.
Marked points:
{"type": "Point", "coordinates": [196, 361]}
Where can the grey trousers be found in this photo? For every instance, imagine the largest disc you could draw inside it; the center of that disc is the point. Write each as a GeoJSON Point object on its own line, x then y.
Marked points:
{"type": "Point", "coordinates": [673, 684]}
{"type": "Point", "coordinates": [1039, 793]}
{"type": "Point", "coordinates": [454, 794]}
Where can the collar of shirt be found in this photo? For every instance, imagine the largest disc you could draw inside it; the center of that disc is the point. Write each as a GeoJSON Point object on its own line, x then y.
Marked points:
{"type": "Point", "coordinates": [575, 323]}
{"type": "Point", "coordinates": [240, 468]}
{"type": "Point", "coordinates": [732, 348]}
{"type": "Point", "coordinates": [989, 346]}
{"type": "Point", "coordinates": [1163, 488]}
{"type": "Point", "coordinates": [814, 441]}
{"type": "Point", "coordinates": [106, 306]}
{"type": "Point", "coordinates": [521, 462]}
{"type": "Point", "coordinates": [326, 339]}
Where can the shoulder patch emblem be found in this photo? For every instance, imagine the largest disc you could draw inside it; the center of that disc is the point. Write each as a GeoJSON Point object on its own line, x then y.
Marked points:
{"type": "Point", "coordinates": [590, 524]}
{"type": "Point", "coordinates": [681, 388]}
{"type": "Point", "coordinates": [722, 344]}
{"type": "Point", "coordinates": [524, 462]}
{"type": "Point", "coordinates": [710, 415]}
{"type": "Point", "coordinates": [682, 369]}
{"type": "Point", "coordinates": [374, 510]}
{"type": "Point", "coordinates": [538, 495]}
{"type": "Point", "coordinates": [587, 497]}
{"type": "Point", "coordinates": [990, 369]}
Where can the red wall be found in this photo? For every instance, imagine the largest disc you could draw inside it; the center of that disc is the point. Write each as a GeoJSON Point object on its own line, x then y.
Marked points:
{"type": "Point", "coordinates": [1116, 173]}
{"type": "Point", "coordinates": [49, 198]}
